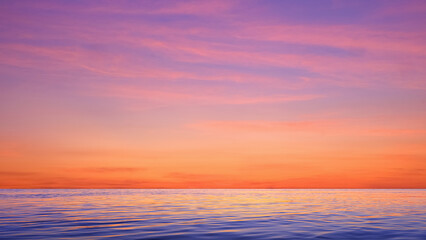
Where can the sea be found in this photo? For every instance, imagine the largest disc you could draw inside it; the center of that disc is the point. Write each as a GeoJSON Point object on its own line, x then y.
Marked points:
{"type": "Point", "coordinates": [212, 214]}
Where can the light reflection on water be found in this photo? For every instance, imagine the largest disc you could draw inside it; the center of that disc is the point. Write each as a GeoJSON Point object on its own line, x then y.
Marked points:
{"type": "Point", "coordinates": [212, 214]}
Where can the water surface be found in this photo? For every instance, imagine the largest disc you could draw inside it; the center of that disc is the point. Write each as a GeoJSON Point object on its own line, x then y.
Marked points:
{"type": "Point", "coordinates": [212, 214]}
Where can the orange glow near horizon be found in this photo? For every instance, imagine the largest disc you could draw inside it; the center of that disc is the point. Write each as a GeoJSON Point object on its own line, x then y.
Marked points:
{"type": "Point", "coordinates": [218, 94]}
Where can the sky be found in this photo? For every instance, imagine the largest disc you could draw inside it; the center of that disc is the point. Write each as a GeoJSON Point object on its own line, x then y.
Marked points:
{"type": "Point", "coordinates": [213, 94]}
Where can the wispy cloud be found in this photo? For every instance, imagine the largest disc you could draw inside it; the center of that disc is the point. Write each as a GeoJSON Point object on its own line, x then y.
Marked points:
{"type": "Point", "coordinates": [381, 56]}
{"type": "Point", "coordinates": [103, 170]}
{"type": "Point", "coordinates": [183, 95]}
{"type": "Point", "coordinates": [338, 126]}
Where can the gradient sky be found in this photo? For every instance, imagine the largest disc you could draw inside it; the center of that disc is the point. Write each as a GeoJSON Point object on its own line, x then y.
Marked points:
{"type": "Point", "coordinates": [213, 94]}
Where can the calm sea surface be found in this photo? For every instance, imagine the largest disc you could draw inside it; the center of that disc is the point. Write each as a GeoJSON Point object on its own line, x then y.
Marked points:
{"type": "Point", "coordinates": [212, 214]}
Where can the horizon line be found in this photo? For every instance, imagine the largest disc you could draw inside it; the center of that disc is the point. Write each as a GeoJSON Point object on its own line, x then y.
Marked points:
{"type": "Point", "coordinates": [214, 188]}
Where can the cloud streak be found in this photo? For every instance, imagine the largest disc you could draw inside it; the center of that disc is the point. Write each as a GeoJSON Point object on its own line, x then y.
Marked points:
{"type": "Point", "coordinates": [381, 55]}
{"type": "Point", "coordinates": [106, 170]}
{"type": "Point", "coordinates": [337, 126]}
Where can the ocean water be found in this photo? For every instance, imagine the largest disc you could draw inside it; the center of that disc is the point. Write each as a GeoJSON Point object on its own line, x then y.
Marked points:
{"type": "Point", "coordinates": [212, 214]}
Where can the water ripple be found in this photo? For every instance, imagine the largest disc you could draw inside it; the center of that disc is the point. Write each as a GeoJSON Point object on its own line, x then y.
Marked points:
{"type": "Point", "coordinates": [212, 214]}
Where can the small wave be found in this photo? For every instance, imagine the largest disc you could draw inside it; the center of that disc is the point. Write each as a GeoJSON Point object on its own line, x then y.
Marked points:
{"type": "Point", "coordinates": [212, 214]}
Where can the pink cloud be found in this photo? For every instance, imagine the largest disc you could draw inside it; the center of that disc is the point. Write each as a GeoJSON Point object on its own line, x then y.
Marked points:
{"type": "Point", "coordinates": [337, 126]}
{"type": "Point", "coordinates": [112, 65]}
{"type": "Point", "coordinates": [184, 7]}
{"type": "Point", "coordinates": [389, 54]}
{"type": "Point", "coordinates": [345, 37]}
{"type": "Point", "coordinates": [267, 126]}
{"type": "Point", "coordinates": [189, 96]}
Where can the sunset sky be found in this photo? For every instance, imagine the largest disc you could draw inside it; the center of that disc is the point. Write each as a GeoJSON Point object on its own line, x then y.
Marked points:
{"type": "Point", "coordinates": [213, 94]}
